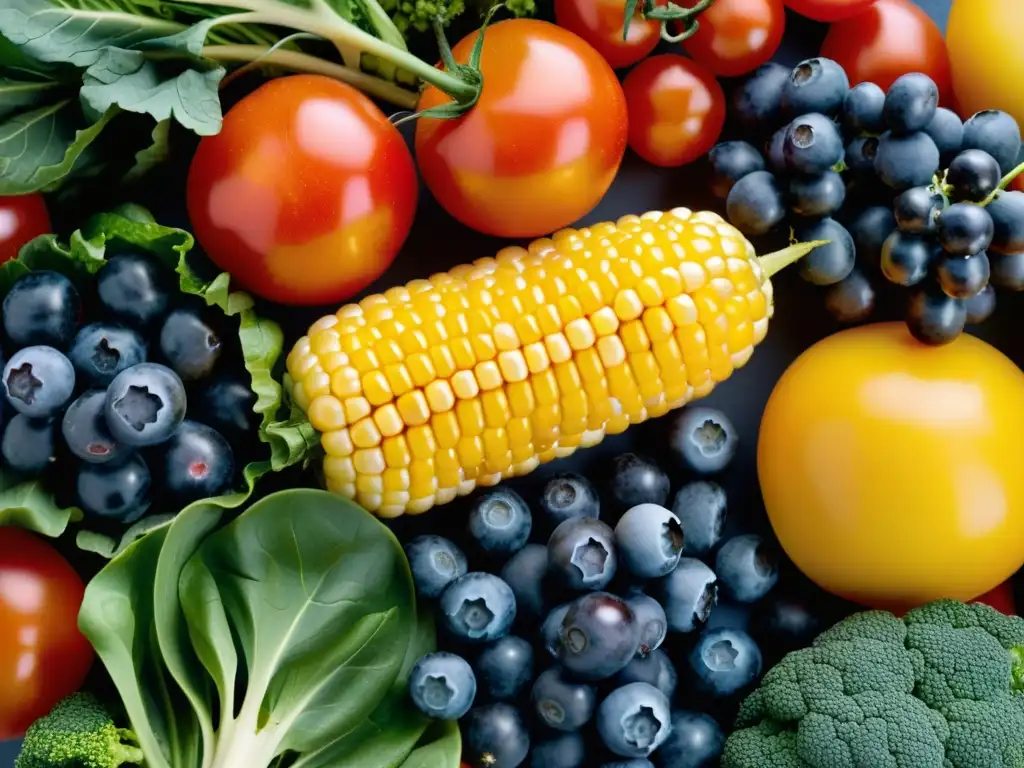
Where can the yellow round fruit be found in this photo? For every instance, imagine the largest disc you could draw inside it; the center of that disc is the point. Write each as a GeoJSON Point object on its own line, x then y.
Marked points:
{"type": "Point", "coordinates": [893, 472]}
{"type": "Point", "coordinates": [986, 55]}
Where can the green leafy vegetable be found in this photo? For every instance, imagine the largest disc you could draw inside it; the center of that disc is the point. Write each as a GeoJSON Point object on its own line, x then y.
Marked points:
{"type": "Point", "coordinates": [290, 633]}
{"type": "Point", "coordinates": [28, 504]}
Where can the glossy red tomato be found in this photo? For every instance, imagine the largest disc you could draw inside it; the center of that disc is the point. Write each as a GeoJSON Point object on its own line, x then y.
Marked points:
{"type": "Point", "coordinates": [1018, 183]}
{"type": "Point", "coordinates": [599, 22]}
{"type": "Point", "coordinates": [21, 219]}
{"type": "Point", "coordinates": [676, 109]}
{"type": "Point", "coordinates": [889, 39]}
{"type": "Point", "coordinates": [1000, 598]}
{"type": "Point", "coordinates": [737, 36]}
{"type": "Point", "coordinates": [828, 10]}
{"type": "Point", "coordinates": [541, 146]}
{"type": "Point", "coordinates": [43, 656]}
{"type": "Point", "coordinates": [306, 194]}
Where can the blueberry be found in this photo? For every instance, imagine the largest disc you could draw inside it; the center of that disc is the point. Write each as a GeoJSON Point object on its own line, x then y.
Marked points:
{"type": "Point", "coordinates": [118, 492]}
{"type": "Point", "coordinates": [504, 667]}
{"type": "Point", "coordinates": [696, 741]}
{"type": "Point", "coordinates": [973, 175]}
{"type": "Point", "coordinates": [500, 522]}
{"type": "Point", "coordinates": [568, 495]}
{"type": "Point", "coordinates": [688, 595]}
{"type": "Point", "coordinates": [524, 573]}
{"type": "Point", "coordinates": [815, 85]}
{"type": "Point", "coordinates": [860, 155]}
{"type": "Point", "coordinates": [135, 289]}
{"type": "Point", "coordinates": [86, 433]}
{"type": "Point", "coordinates": [917, 209]}
{"type": "Point", "coordinates": [964, 229]}
{"type": "Point", "coordinates": [947, 131]}
{"type": "Point", "coordinates": [933, 317]}
{"type": "Point", "coordinates": [813, 144]}
{"type": "Point", "coordinates": [755, 204]}
{"type": "Point", "coordinates": [649, 540]}
{"type": "Point", "coordinates": [757, 101]}
{"type": "Point", "coordinates": [442, 686]}
{"type": "Point", "coordinates": [581, 553]}
{"type": "Point", "coordinates": [435, 563]}
{"type": "Point", "coordinates": [907, 161]}
{"type": "Point", "coordinates": [910, 103]}
{"type": "Point", "coordinates": [730, 161]}
{"type": "Point", "coordinates": [634, 720]}
{"type": "Point", "coordinates": [198, 463]}
{"type": "Point", "coordinates": [980, 306]}
{"type": "Point", "coordinates": [600, 634]}
{"type": "Point", "coordinates": [962, 277]}
{"type": "Point", "coordinates": [551, 629]}
{"type": "Point", "coordinates": [565, 751]}
{"type": "Point", "coordinates": [38, 381]}
{"type": "Point", "coordinates": [724, 661]}
{"type": "Point", "coordinates": [700, 507]}
{"type": "Point", "coordinates": [478, 607]}
{"type": "Point", "coordinates": [862, 109]}
{"type": "Point", "coordinates": [704, 440]}
{"type": "Point", "coordinates": [655, 669]}
{"type": "Point", "coordinates": [851, 300]}
{"type": "Point", "coordinates": [774, 151]}
{"type": "Point", "coordinates": [997, 133]}
{"type": "Point", "coordinates": [827, 264]}
{"type": "Point", "coordinates": [226, 404]}
{"type": "Point", "coordinates": [101, 351]}
{"type": "Point", "coordinates": [747, 568]}
{"type": "Point", "coordinates": [1007, 212]}
{"type": "Point", "coordinates": [785, 624]}
{"type": "Point", "coordinates": [906, 259]}
{"type": "Point", "coordinates": [189, 344]}
{"type": "Point", "coordinates": [561, 703]}
{"type": "Point", "coordinates": [1007, 271]}
{"type": "Point", "coordinates": [28, 445]}
{"type": "Point", "coordinates": [41, 309]}
{"type": "Point", "coordinates": [494, 736]}
{"type": "Point", "coordinates": [817, 196]}
{"type": "Point", "coordinates": [869, 230]}
{"type": "Point", "coordinates": [651, 618]}
{"type": "Point", "coordinates": [145, 404]}
{"type": "Point", "coordinates": [638, 480]}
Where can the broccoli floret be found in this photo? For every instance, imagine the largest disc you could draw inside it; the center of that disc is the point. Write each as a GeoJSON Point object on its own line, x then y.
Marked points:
{"type": "Point", "coordinates": [420, 14]}
{"type": "Point", "coordinates": [940, 688]}
{"type": "Point", "coordinates": [78, 733]}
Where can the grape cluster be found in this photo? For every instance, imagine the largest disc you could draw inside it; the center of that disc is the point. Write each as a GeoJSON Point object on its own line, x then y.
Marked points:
{"type": "Point", "coordinates": [901, 189]}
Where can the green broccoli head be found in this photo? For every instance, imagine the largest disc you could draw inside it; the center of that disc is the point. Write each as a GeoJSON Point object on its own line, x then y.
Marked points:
{"type": "Point", "coordinates": [419, 15]}
{"type": "Point", "coordinates": [940, 688]}
{"type": "Point", "coordinates": [78, 733]}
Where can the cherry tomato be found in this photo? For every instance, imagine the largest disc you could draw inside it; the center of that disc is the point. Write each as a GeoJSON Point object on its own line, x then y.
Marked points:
{"type": "Point", "coordinates": [986, 55]}
{"type": "Point", "coordinates": [737, 36]}
{"type": "Point", "coordinates": [306, 194]}
{"type": "Point", "coordinates": [599, 22]}
{"type": "Point", "coordinates": [1000, 598]}
{"type": "Point", "coordinates": [21, 219]}
{"type": "Point", "coordinates": [1018, 183]}
{"type": "Point", "coordinates": [889, 39]}
{"type": "Point", "coordinates": [676, 109]}
{"type": "Point", "coordinates": [828, 10]}
{"type": "Point", "coordinates": [43, 656]}
{"type": "Point", "coordinates": [541, 146]}
{"type": "Point", "coordinates": [890, 470]}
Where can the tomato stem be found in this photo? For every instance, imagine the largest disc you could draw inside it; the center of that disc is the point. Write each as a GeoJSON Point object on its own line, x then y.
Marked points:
{"type": "Point", "coordinates": [773, 263]}
{"type": "Point", "coordinates": [686, 17]}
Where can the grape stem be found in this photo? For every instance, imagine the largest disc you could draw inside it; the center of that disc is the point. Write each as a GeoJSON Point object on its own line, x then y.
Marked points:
{"type": "Point", "coordinates": [773, 263]}
{"type": "Point", "coordinates": [1004, 184]}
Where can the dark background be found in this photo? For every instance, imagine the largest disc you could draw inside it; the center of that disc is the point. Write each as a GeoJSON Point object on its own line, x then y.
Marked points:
{"type": "Point", "coordinates": [438, 243]}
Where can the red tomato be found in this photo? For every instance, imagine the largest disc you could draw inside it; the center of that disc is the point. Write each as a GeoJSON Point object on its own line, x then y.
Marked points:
{"type": "Point", "coordinates": [1000, 598]}
{"type": "Point", "coordinates": [21, 219]}
{"type": "Point", "coordinates": [737, 36]}
{"type": "Point", "coordinates": [306, 194]}
{"type": "Point", "coordinates": [43, 656]}
{"type": "Point", "coordinates": [599, 22]}
{"type": "Point", "coordinates": [1018, 183]}
{"type": "Point", "coordinates": [541, 146]}
{"type": "Point", "coordinates": [676, 110]}
{"type": "Point", "coordinates": [828, 10]}
{"type": "Point", "coordinates": [889, 39]}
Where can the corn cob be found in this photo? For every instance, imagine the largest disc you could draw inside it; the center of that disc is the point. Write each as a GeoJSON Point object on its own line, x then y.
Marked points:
{"type": "Point", "coordinates": [427, 391]}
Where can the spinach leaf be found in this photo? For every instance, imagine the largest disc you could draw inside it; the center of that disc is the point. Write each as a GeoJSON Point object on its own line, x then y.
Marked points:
{"type": "Point", "coordinates": [27, 504]}
{"type": "Point", "coordinates": [441, 746]}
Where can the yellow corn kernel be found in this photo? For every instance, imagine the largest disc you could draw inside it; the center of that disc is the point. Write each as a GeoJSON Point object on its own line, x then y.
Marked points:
{"type": "Point", "coordinates": [634, 336]}
{"type": "Point", "coordinates": [488, 375]}
{"type": "Point", "coordinates": [558, 348]}
{"type": "Point", "coordinates": [368, 461]}
{"type": "Point", "coordinates": [580, 334]}
{"type": "Point", "coordinates": [365, 433]}
{"type": "Point", "coordinates": [496, 408]}
{"type": "Point", "coordinates": [396, 452]}
{"type": "Point", "coordinates": [464, 385]}
{"type": "Point", "coordinates": [520, 398]}
{"type": "Point", "coordinates": [646, 374]}
{"type": "Point", "coordinates": [326, 413]}
{"type": "Point", "coordinates": [513, 365]}
{"type": "Point", "coordinates": [449, 469]}
{"type": "Point", "coordinates": [604, 321]}
{"type": "Point", "coordinates": [470, 414]}
{"type": "Point", "coordinates": [497, 457]}
{"type": "Point", "coordinates": [536, 356]}
{"type": "Point", "coordinates": [445, 427]}
{"type": "Point", "coordinates": [462, 352]}
{"type": "Point", "coordinates": [549, 319]}
{"type": "Point", "coordinates": [422, 481]}
{"type": "Point", "coordinates": [388, 420]}
{"type": "Point", "coordinates": [356, 408]}
{"type": "Point", "coordinates": [612, 352]}
{"type": "Point", "coordinates": [414, 408]}
{"type": "Point", "coordinates": [422, 442]}
{"type": "Point", "coordinates": [528, 330]}
{"type": "Point", "coordinates": [471, 454]}
{"type": "Point", "coordinates": [420, 369]}
{"type": "Point", "coordinates": [376, 388]}
{"type": "Point", "coordinates": [444, 360]}
{"type": "Point", "coordinates": [364, 360]}
{"type": "Point", "coordinates": [340, 469]}
{"type": "Point", "coordinates": [337, 443]}
{"type": "Point", "coordinates": [316, 383]}
{"type": "Point", "coordinates": [440, 396]}
{"type": "Point", "coordinates": [544, 423]}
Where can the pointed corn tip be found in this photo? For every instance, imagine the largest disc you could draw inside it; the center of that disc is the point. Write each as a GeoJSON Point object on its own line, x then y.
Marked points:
{"type": "Point", "coordinates": [773, 263]}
